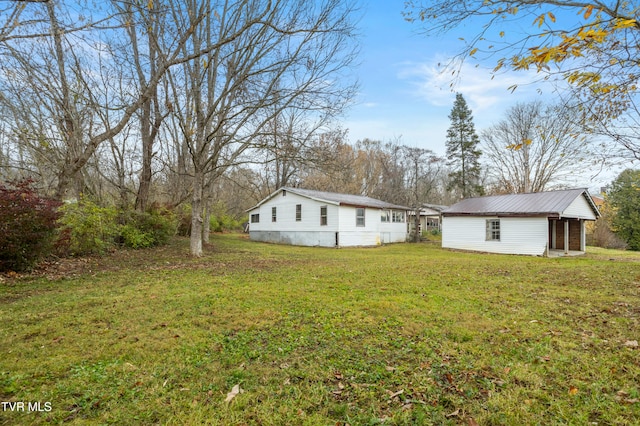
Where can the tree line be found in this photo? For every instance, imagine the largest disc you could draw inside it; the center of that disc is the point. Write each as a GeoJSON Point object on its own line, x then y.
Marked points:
{"type": "Point", "coordinates": [214, 104]}
{"type": "Point", "coordinates": [124, 97]}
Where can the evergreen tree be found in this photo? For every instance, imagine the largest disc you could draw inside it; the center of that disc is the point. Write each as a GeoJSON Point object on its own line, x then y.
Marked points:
{"type": "Point", "coordinates": [462, 151]}
{"type": "Point", "coordinates": [624, 198]}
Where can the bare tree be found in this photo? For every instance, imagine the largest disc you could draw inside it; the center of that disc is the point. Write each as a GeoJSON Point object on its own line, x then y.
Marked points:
{"type": "Point", "coordinates": [292, 56]}
{"type": "Point", "coordinates": [66, 89]}
{"type": "Point", "coordinates": [423, 168]}
{"type": "Point", "coordinates": [533, 148]}
{"type": "Point", "coordinates": [590, 45]}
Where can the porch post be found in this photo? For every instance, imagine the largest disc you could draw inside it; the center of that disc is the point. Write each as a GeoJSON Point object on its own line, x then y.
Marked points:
{"type": "Point", "coordinates": [554, 234]}
{"type": "Point", "coordinates": [566, 236]}
{"type": "Point", "coordinates": [583, 236]}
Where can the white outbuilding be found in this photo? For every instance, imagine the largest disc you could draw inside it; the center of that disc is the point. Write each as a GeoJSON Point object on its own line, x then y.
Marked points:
{"type": "Point", "coordinates": [538, 224]}
{"type": "Point", "coordinates": [316, 218]}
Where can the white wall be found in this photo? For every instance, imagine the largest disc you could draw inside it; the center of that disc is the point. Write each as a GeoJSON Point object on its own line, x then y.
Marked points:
{"type": "Point", "coordinates": [309, 232]}
{"type": "Point", "coordinates": [286, 215]}
{"type": "Point", "coordinates": [517, 235]}
{"type": "Point", "coordinates": [579, 209]}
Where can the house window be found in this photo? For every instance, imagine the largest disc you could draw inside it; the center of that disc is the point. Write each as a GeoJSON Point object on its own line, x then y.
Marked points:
{"type": "Point", "coordinates": [360, 216]}
{"type": "Point", "coordinates": [255, 218]}
{"type": "Point", "coordinates": [386, 216]}
{"type": "Point", "coordinates": [398, 217]}
{"type": "Point", "coordinates": [284, 192]}
{"type": "Point", "coordinates": [493, 229]}
{"type": "Point", "coordinates": [323, 215]}
{"type": "Point", "coordinates": [298, 212]}
{"type": "Point", "coordinates": [273, 214]}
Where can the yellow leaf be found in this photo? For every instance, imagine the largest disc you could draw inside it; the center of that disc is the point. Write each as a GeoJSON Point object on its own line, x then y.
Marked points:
{"type": "Point", "coordinates": [528, 141]}
{"type": "Point", "coordinates": [573, 390]}
{"type": "Point", "coordinates": [539, 20]}
{"type": "Point", "coordinates": [588, 11]}
{"type": "Point", "coordinates": [473, 51]}
{"type": "Point", "coordinates": [150, 4]}
{"type": "Point", "coordinates": [624, 23]}
{"type": "Point", "coordinates": [501, 33]}
{"type": "Point", "coordinates": [551, 16]}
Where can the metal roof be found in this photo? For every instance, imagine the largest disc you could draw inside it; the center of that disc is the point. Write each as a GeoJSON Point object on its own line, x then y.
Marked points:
{"type": "Point", "coordinates": [336, 198]}
{"type": "Point", "coordinates": [551, 203]}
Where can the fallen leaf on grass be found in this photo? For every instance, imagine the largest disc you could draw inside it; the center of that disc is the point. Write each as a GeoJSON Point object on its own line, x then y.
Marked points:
{"type": "Point", "coordinates": [631, 343]}
{"type": "Point", "coordinates": [471, 422]}
{"type": "Point", "coordinates": [623, 396]}
{"type": "Point", "coordinates": [573, 390]}
{"type": "Point", "coordinates": [235, 391]}
{"type": "Point", "coordinates": [394, 394]}
{"type": "Point", "coordinates": [454, 414]}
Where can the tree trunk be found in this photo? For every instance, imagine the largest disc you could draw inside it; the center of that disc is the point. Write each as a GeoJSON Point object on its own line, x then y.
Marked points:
{"type": "Point", "coordinates": [196, 214]}
{"type": "Point", "coordinates": [206, 225]}
{"type": "Point", "coordinates": [142, 198]}
{"type": "Point", "coordinates": [416, 226]}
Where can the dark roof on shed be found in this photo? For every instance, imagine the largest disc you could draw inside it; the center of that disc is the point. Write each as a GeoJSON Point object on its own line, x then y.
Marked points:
{"type": "Point", "coordinates": [551, 203]}
{"type": "Point", "coordinates": [336, 198]}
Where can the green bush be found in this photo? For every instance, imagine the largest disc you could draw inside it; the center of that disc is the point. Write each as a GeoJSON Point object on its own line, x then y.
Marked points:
{"type": "Point", "coordinates": [92, 229]}
{"type": "Point", "coordinates": [624, 199]}
{"type": "Point", "coordinates": [220, 220]}
{"type": "Point", "coordinates": [149, 229]}
{"type": "Point", "coordinates": [183, 218]}
{"type": "Point", "coordinates": [28, 226]}
{"type": "Point", "coordinates": [135, 238]}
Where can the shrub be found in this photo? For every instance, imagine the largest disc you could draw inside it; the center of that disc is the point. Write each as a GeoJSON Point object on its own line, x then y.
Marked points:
{"type": "Point", "coordinates": [183, 218]}
{"type": "Point", "coordinates": [149, 229]}
{"type": "Point", "coordinates": [624, 199]}
{"type": "Point", "coordinates": [220, 220]}
{"type": "Point", "coordinates": [27, 226]}
{"type": "Point", "coordinates": [92, 229]}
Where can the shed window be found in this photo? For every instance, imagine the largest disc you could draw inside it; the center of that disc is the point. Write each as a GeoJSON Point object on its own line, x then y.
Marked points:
{"type": "Point", "coordinates": [493, 229]}
{"type": "Point", "coordinates": [386, 216]}
{"type": "Point", "coordinates": [298, 212]}
{"type": "Point", "coordinates": [323, 215]}
{"type": "Point", "coordinates": [273, 214]}
{"type": "Point", "coordinates": [360, 216]}
{"type": "Point", "coordinates": [255, 218]}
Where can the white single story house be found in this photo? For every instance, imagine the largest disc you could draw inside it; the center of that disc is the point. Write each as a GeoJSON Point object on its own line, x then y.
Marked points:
{"type": "Point", "coordinates": [533, 224]}
{"type": "Point", "coordinates": [316, 218]}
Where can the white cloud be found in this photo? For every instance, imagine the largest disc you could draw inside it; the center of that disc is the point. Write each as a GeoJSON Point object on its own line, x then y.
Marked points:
{"type": "Point", "coordinates": [487, 97]}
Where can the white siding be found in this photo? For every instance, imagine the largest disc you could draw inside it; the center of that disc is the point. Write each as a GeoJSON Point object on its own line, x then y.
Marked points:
{"type": "Point", "coordinates": [306, 232]}
{"type": "Point", "coordinates": [352, 235]}
{"type": "Point", "coordinates": [517, 235]}
{"type": "Point", "coordinates": [341, 220]}
{"type": "Point", "coordinates": [579, 209]}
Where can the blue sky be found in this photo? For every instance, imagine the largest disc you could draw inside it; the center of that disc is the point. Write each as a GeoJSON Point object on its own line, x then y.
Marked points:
{"type": "Point", "coordinates": [404, 95]}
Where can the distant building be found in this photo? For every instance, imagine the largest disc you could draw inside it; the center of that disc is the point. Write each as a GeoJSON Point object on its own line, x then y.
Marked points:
{"type": "Point", "coordinates": [430, 218]}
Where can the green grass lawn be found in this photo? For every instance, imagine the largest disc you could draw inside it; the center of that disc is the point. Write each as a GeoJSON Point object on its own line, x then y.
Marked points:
{"type": "Point", "coordinates": [401, 334]}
